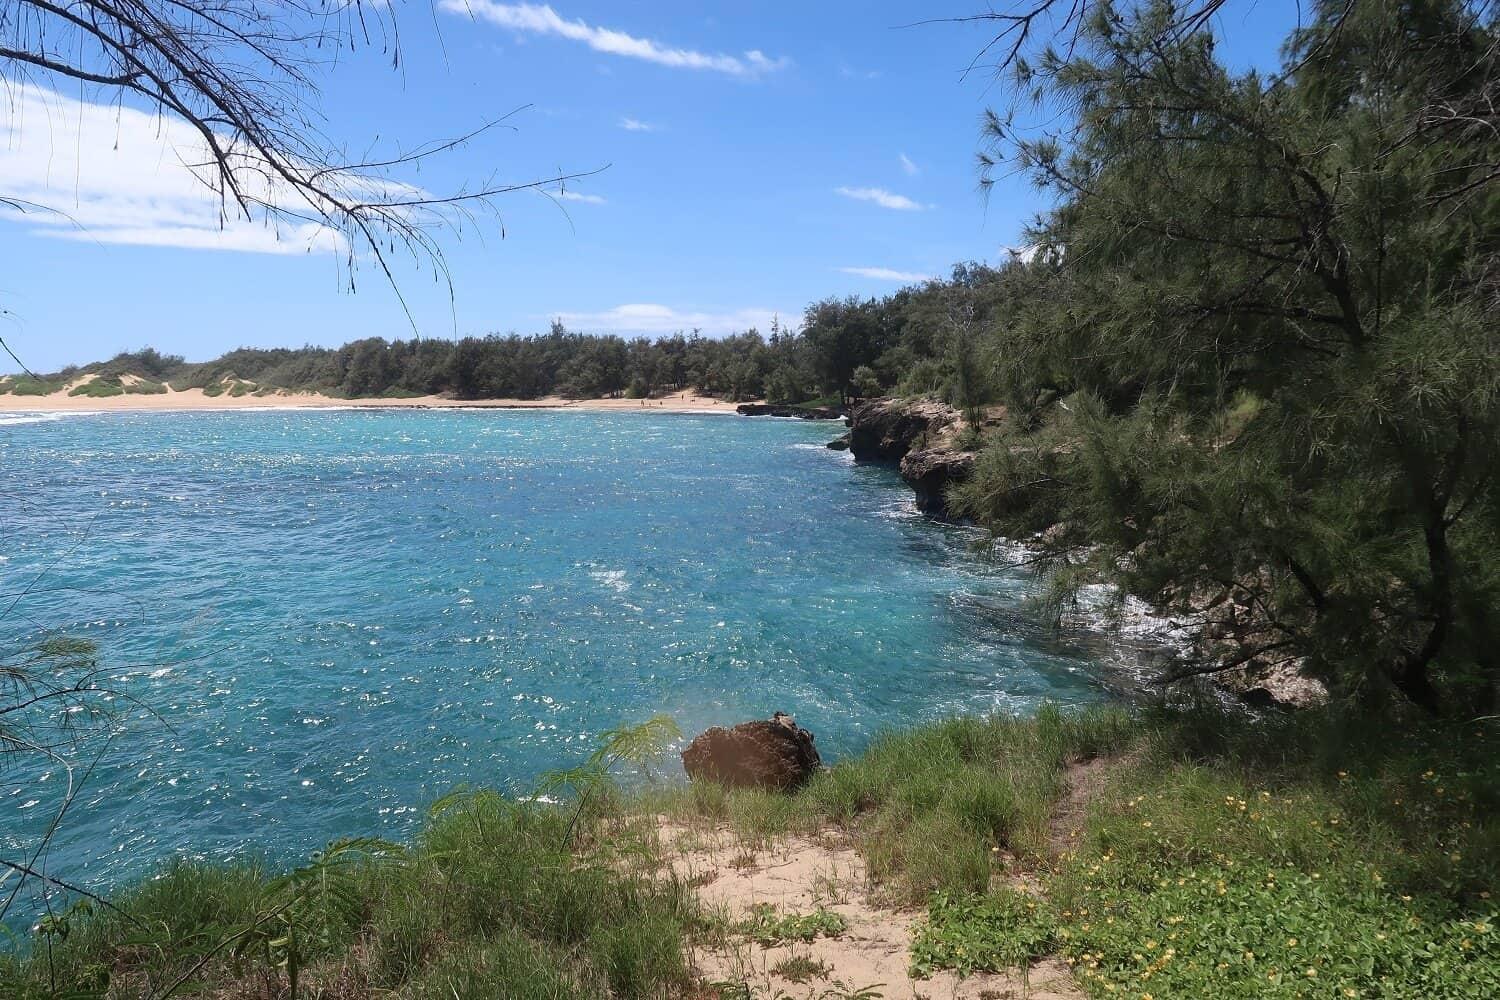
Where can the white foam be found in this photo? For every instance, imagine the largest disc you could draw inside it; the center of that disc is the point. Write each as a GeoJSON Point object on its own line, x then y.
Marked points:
{"type": "Point", "coordinates": [13, 419]}
{"type": "Point", "coordinates": [612, 578]}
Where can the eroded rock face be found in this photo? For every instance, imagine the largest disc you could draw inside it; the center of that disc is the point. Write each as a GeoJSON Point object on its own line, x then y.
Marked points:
{"type": "Point", "coordinates": [931, 471]}
{"type": "Point", "coordinates": [776, 410]}
{"type": "Point", "coordinates": [774, 754]}
{"type": "Point", "coordinates": [921, 436]}
{"type": "Point", "coordinates": [884, 430]}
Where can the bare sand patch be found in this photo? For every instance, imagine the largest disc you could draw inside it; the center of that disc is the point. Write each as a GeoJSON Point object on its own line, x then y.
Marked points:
{"type": "Point", "coordinates": [799, 875]}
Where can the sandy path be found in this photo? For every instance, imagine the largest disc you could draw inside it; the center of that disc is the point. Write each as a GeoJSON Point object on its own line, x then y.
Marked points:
{"type": "Point", "coordinates": [800, 874]}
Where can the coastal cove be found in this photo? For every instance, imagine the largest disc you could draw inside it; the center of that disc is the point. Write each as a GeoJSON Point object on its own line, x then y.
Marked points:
{"type": "Point", "coordinates": [339, 615]}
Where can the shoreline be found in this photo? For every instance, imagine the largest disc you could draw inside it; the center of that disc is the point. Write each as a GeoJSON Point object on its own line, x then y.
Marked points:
{"type": "Point", "coordinates": [186, 400]}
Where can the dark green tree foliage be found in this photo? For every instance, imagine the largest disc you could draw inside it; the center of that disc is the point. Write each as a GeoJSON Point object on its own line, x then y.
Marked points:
{"type": "Point", "coordinates": [1269, 307]}
{"type": "Point", "coordinates": [901, 342]}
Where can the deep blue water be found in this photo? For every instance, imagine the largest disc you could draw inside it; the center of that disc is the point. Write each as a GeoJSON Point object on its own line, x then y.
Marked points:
{"type": "Point", "coordinates": [340, 615]}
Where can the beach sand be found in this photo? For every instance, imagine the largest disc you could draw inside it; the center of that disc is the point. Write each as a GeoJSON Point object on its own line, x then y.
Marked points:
{"type": "Point", "coordinates": [194, 399]}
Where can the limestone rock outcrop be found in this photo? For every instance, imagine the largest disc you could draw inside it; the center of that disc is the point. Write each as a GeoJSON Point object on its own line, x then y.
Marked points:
{"type": "Point", "coordinates": [919, 435]}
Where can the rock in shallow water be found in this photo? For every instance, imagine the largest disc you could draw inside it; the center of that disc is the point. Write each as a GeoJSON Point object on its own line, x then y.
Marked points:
{"type": "Point", "coordinates": [774, 754]}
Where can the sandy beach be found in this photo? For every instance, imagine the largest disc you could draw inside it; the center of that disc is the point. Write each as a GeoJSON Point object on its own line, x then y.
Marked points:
{"type": "Point", "coordinates": [195, 399]}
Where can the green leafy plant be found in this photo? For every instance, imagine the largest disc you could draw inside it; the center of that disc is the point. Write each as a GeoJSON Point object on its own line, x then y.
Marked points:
{"type": "Point", "coordinates": [765, 926]}
{"type": "Point", "coordinates": [1002, 930]}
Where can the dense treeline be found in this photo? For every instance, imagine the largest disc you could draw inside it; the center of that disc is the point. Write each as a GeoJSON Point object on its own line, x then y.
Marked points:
{"type": "Point", "coordinates": [846, 347]}
{"type": "Point", "coordinates": [1254, 376]}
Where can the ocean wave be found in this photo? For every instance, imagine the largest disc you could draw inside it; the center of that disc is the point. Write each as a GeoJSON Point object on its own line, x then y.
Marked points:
{"type": "Point", "coordinates": [13, 419]}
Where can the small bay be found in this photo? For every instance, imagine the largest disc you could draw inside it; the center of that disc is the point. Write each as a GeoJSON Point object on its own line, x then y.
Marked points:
{"type": "Point", "coordinates": [320, 621]}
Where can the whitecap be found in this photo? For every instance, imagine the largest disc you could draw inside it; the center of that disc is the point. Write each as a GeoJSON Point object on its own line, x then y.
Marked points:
{"type": "Point", "coordinates": [612, 578]}
{"type": "Point", "coordinates": [13, 419]}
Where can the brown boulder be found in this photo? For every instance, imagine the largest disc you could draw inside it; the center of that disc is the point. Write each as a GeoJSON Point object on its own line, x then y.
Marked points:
{"type": "Point", "coordinates": [772, 753]}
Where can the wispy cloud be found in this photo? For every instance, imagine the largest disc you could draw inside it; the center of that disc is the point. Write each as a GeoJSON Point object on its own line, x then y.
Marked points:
{"type": "Point", "coordinates": [911, 168]}
{"type": "Point", "coordinates": [648, 317]}
{"type": "Point", "coordinates": [636, 125]}
{"type": "Point", "coordinates": [541, 19]}
{"type": "Point", "coordinates": [887, 274]}
{"type": "Point", "coordinates": [114, 175]}
{"type": "Point", "coordinates": [881, 197]}
{"type": "Point", "coordinates": [578, 196]}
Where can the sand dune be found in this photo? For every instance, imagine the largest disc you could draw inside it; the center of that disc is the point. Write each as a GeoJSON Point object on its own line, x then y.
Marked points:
{"type": "Point", "coordinates": [196, 399]}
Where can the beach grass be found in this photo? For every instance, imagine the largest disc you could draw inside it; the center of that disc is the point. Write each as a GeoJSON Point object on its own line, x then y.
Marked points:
{"type": "Point", "coordinates": [24, 385]}
{"type": "Point", "coordinates": [1161, 853]}
{"type": "Point", "coordinates": [98, 389]}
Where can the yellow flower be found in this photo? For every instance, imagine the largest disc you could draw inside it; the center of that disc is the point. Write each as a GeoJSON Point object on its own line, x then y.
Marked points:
{"type": "Point", "coordinates": [1291, 942]}
{"type": "Point", "coordinates": [1481, 927]}
{"type": "Point", "coordinates": [1312, 973]}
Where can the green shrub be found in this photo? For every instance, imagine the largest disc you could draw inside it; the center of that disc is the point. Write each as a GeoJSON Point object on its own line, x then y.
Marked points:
{"type": "Point", "coordinates": [989, 933]}
{"type": "Point", "coordinates": [99, 388]}
{"type": "Point", "coordinates": [27, 386]}
{"type": "Point", "coordinates": [767, 927]}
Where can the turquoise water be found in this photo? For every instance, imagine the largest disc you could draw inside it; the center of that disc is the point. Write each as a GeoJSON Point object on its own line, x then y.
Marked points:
{"type": "Point", "coordinates": [338, 616]}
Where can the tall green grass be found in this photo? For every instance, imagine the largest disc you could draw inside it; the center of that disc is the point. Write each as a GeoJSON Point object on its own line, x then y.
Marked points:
{"type": "Point", "coordinates": [488, 903]}
{"type": "Point", "coordinates": [937, 807]}
{"type": "Point", "coordinates": [1221, 855]}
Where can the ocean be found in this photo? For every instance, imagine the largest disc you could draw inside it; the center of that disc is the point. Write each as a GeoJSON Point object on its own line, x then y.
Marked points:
{"type": "Point", "coordinates": [314, 623]}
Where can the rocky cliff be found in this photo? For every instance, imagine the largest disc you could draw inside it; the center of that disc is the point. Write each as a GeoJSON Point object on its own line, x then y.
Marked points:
{"type": "Point", "coordinates": [921, 437]}
{"type": "Point", "coordinates": [778, 410]}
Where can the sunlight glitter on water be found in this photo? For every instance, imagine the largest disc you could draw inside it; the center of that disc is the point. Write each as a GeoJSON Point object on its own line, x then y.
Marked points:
{"type": "Point", "coordinates": [337, 616]}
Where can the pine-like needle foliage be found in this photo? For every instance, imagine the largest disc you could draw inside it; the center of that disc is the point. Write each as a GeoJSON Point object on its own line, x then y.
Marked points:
{"type": "Point", "coordinates": [1268, 307]}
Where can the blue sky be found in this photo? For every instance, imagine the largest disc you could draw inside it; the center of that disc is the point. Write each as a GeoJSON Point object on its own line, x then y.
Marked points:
{"type": "Point", "coordinates": [759, 157]}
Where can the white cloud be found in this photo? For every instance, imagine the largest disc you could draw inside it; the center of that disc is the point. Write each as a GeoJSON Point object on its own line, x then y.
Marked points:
{"type": "Point", "coordinates": [911, 168]}
{"type": "Point", "coordinates": [881, 197]}
{"type": "Point", "coordinates": [646, 317]}
{"type": "Point", "coordinates": [636, 125]}
{"type": "Point", "coordinates": [886, 274]}
{"type": "Point", "coordinates": [578, 196]}
{"type": "Point", "coordinates": [116, 175]}
{"type": "Point", "coordinates": [541, 19]}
